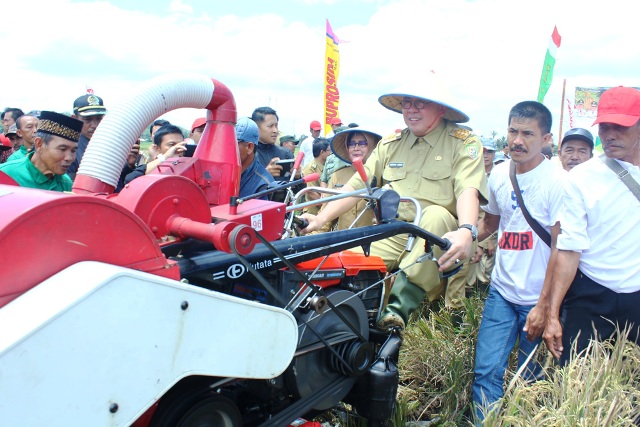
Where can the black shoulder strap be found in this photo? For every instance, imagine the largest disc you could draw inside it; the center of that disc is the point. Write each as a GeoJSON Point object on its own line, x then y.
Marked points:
{"type": "Point", "coordinates": [623, 174]}
{"type": "Point", "coordinates": [535, 225]}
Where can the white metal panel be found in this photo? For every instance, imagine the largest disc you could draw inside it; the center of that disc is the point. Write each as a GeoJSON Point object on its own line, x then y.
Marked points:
{"type": "Point", "coordinates": [97, 334]}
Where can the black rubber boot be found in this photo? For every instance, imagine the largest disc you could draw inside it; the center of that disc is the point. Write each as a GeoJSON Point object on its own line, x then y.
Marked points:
{"type": "Point", "coordinates": [404, 299]}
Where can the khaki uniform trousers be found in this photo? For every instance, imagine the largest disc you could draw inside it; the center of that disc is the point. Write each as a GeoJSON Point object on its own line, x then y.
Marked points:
{"type": "Point", "coordinates": [439, 221]}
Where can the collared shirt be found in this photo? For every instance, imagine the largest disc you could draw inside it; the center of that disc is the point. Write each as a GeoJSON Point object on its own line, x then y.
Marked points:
{"type": "Point", "coordinates": [344, 221]}
{"type": "Point", "coordinates": [82, 147]}
{"type": "Point", "coordinates": [254, 179]}
{"type": "Point", "coordinates": [600, 220]}
{"type": "Point", "coordinates": [26, 174]}
{"type": "Point", "coordinates": [313, 167]}
{"type": "Point", "coordinates": [18, 155]}
{"type": "Point", "coordinates": [434, 169]}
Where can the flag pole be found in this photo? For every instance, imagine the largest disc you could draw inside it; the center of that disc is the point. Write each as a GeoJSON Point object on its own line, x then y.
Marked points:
{"type": "Point", "coordinates": [564, 85]}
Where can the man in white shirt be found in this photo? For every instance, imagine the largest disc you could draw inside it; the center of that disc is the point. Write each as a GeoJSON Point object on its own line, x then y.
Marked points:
{"type": "Point", "coordinates": [306, 146]}
{"type": "Point", "coordinates": [515, 309]}
{"type": "Point", "coordinates": [597, 273]}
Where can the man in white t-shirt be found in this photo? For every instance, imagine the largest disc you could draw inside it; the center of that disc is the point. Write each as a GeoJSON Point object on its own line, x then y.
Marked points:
{"type": "Point", "coordinates": [597, 274]}
{"type": "Point", "coordinates": [306, 146]}
{"type": "Point", "coordinates": [515, 310]}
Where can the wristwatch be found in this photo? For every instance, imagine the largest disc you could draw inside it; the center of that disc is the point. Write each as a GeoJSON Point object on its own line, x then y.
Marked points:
{"type": "Point", "coordinates": [472, 228]}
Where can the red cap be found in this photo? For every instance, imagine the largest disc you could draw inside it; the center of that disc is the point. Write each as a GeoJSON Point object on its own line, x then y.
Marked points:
{"type": "Point", "coordinates": [335, 121]}
{"type": "Point", "coordinates": [198, 122]}
{"type": "Point", "coordinates": [6, 143]}
{"type": "Point", "coordinates": [619, 105]}
{"type": "Point", "coordinates": [315, 125]}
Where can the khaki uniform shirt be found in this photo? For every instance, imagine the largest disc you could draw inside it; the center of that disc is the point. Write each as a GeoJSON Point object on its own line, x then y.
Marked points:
{"type": "Point", "coordinates": [434, 169]}
{"type": "Point", "coordinates": [344, 221]}
{"type": "Point", "coordinates": [313, 167]}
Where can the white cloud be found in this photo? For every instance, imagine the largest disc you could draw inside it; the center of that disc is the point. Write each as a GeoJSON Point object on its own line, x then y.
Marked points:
{"type": "Point", "coordinates": [490, 52]}
{"type": "Point", "coordinates": [177, 6]}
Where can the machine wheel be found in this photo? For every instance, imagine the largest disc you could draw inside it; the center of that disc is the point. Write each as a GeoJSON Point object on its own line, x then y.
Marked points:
{"type": "Point", "coordinates": [208, 409]}
{"type": "Point", "coordinates": [313, 372]}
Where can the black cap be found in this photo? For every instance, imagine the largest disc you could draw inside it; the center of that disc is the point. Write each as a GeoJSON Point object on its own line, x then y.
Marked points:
{"type": "Point", "coordinates": [60, 125]}
{"type": "Point", "coordinates": [288, 138]}
{"type": "Point", "coordinates": [89, 105]}
{"type": "Point", "coordinates": [581, 134]}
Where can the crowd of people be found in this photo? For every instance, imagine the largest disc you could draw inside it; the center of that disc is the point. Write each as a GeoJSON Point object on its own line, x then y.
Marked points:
{"type": "Point", "coordinates": [552, 236]}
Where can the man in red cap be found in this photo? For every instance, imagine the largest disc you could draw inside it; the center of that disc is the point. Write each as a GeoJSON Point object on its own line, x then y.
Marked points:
{"type": "Point", "coordinates": [5, 147]}
{"type": "Point", "coordinates": [197, 128]}
{"type": "Point", "coordinates": [596, 278]}
{"type": "Point", "coordinates": [335, 123]}
{"type": "Point", "coordinates": [14, 140]}
{"type": "Point", "coordinates": [306, 146]}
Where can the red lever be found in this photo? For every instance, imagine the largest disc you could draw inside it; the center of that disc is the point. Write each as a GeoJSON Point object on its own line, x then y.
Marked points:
{"type": "Point", "coordinates": [360, 168]}
{"type": "Point", "coordinates": [311, 177]}
{"type": "Point", "coordinates": [363, 173]}
{"type": "Point", "coordinates": [299, 157]}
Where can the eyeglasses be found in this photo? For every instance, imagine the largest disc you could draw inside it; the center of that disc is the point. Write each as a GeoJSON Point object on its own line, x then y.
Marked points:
{"type": "Point", "coordinates": [352, 144]}
{"type": "Point", "coordinates": [418, 103]}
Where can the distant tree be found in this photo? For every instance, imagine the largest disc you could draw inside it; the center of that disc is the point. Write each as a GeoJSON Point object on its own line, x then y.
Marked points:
{"type": "Point", "coordinates": [501, 142]}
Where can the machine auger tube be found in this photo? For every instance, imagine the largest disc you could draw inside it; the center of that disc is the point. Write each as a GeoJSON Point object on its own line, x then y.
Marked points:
{"type": "Point", "coordinates": [106, 154]}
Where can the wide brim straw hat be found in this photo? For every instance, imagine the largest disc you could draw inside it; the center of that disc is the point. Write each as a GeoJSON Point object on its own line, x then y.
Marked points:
{"type": "Point", "coordinates": [339, 142]}
{"type": "Point", "coordinates": [429, 88]}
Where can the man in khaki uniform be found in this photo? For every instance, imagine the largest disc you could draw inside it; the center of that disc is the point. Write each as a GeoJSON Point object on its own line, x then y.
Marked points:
{"type": "Point", "coordinates": [439, 163]}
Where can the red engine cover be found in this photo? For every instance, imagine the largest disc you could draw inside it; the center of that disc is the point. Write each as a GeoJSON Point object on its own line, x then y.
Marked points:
{"type": "Point", "coordinates": [43, 232]}
{"type": "Point", "coordinates": [353, 262]}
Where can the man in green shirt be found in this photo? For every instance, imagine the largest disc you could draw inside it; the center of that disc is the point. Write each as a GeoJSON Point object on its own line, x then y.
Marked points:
{"type": "Point", "coordinates": [55, 146]}
{"type": "Point", "coordinates": [26, 126]}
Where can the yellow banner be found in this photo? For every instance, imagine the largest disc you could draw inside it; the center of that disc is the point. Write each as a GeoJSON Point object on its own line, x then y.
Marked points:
{"type": "Point", "coordinates": [331, 71]}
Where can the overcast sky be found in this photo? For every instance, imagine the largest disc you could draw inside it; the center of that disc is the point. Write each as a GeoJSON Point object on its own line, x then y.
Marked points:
{"type": "Point", "coordinates": [490, 52]}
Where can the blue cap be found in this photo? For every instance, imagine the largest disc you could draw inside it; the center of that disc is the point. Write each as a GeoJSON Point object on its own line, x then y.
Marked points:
{"type": "Point", "coordinates": [488, 143]}
{"type": "Point", "coordinates": [247, 130]}
{"type": "Point", "coordinates": [499, 158]}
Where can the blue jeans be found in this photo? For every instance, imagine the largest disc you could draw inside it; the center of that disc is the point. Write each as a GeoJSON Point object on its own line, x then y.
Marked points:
{"type": "Point", "coordinates": [501, 327]}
